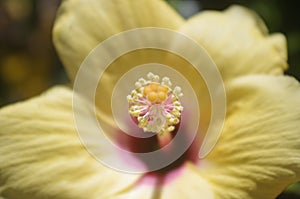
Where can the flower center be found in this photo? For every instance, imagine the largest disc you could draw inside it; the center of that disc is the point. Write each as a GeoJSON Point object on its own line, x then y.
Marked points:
{"type": "Point", "coordinates": [154, 105]}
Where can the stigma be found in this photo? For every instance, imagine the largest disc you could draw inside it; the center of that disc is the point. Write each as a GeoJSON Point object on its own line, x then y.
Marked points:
{"type": "Point", "coordinates": [154, 105]}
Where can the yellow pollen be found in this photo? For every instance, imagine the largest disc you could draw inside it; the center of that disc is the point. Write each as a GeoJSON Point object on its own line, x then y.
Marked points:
{"type": "Point", "coordinates": [154, 86]}
{"type": "Point", "coordinates": [147, 90]}
{"type": "Point", "coordinates": [155, 92]}
{"type": "Point", "coordinates": [162, 88]}
{"type": "Point", "coordinates": [161, 95]}
{"type": "Point", "coordinates": [152, 96]}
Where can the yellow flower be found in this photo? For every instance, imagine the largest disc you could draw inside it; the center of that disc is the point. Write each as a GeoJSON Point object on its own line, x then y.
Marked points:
{"type": "Point", "coordinates": [256, 156]}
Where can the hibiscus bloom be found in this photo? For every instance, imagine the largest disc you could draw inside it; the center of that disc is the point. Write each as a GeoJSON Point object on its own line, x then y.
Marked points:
{"type": "Point", "coordinates": [256, 156]}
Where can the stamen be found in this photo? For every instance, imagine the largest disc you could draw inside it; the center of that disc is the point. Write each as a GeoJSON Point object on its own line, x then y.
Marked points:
{"type": "Point", "coordinates": [155, 105]}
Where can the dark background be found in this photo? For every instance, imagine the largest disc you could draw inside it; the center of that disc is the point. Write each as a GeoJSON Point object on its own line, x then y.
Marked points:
{"type": "Point", "coordinates": [29, 64]}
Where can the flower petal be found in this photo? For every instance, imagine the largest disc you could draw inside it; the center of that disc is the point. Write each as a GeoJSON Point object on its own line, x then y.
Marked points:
{"type": "Point", "coordinates": [238, 41]}
{"type": "Point", "coordinates": [136, 192]}
{"type": "Point", "coordinates": [41, 155]}
{"type": "Point", "coordinates": [189, 184]}
{"type": "Point", "coordinates": [83, 24]}
{"type": "Point", "coordinates": [258, 153]}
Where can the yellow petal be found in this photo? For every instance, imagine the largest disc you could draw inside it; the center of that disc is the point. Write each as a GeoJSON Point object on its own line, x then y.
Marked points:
{"type": "Point", "coordinates": [188, 184]}
{"type": "Point", "coordinates": [238, 41]}
{"type": "Point", "coordinates": [258, 153]}
{"type": "Point", "coordinates": [41, 155]}
{"type": "Point", "coordinates": [83, 24]}
{"type": "Point", "coordinates": [136, 192]}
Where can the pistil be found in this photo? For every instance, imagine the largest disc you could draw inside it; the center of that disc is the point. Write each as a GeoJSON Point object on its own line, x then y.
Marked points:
{"type": "Point", "coordinates": [155, 106]}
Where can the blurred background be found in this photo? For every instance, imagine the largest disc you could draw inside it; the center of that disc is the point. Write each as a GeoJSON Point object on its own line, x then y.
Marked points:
{"type": "Point", "coordinates": [29, 64]}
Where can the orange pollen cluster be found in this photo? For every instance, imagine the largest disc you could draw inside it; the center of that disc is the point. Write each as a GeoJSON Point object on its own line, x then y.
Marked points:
{"type": "Point", "coordinates": [155, 92]}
